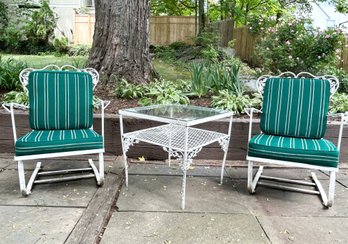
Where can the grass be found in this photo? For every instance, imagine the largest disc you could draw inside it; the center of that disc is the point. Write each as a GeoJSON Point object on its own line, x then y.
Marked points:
{"type": "Point", "coordinates": [40, 61]}
{"type": "Point", "coordinates": [168, 71]}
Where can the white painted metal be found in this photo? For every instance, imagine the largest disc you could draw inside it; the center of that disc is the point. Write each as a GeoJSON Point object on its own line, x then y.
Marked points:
{"type": "Point", "coordinates": [225, 149]}
{"type": "Point", "coordinates": [254, 181]}
{"type": "Point", "coordinates": [177, 138]}
{"type": "Point", "coordinates": [99, 175]}
{"type": "Point", "coordinates": [174, 121]}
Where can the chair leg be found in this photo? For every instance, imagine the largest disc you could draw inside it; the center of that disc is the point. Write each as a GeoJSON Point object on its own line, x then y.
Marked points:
{"type": "Point", "coordinates": [101, 168]}
{"type": "Point", "coordinates": [331, 189]}
{"type": "Point", "coordinates": [26, 189]}
{"type": "Point", "coordinates": [22, 185]}
{"type": "Point", "coordinates": [250, 177]}
{"type": "Point", "coordinates": [252, 182]}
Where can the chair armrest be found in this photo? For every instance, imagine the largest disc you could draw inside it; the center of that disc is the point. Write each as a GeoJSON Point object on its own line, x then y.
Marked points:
{"type": "Point", "coordinates": [250, 112]}
{"type": "Point", "coordinates": [9, 108]}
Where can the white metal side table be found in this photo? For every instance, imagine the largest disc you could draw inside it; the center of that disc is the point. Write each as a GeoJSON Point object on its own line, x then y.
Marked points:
{"type": "Point", "coordinates": [176, 136]}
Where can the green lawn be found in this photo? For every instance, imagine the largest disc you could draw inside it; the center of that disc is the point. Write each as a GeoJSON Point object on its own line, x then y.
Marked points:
{"type": "Point", "coordinates": [167, 70]}
{"type": "Point", "coordinates": [40, 61]}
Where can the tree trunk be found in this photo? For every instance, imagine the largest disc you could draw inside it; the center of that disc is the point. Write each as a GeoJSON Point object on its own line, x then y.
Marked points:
{"type": "Point", "coordinates": [121, 40]}
{"type": "Point", "coordinates": [201, 14]}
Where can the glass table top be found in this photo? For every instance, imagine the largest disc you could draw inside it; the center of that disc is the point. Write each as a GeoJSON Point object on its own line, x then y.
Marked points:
{"type": "Point", "coordinates": [184, 113]}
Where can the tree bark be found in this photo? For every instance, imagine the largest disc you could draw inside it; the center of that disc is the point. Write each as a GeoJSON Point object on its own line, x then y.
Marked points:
{"type": "Point", "coordinates": [121, 40]}
{"type": "Point", "coordinates": [201, 14]}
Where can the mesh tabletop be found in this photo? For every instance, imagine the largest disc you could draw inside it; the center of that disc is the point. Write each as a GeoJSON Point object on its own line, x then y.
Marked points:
{"type": "Point", "coordinates": [173, 136]}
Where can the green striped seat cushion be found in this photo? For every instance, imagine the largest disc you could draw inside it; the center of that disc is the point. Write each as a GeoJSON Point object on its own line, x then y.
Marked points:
{"type": "Point", "coordinates": [295, 107]}
{"type": "Point", "coordinates": [53, 141]}
{"type": "Point", "coordinates": [60, 100]}
{"type": "Point", "coordinates": [318, 152]}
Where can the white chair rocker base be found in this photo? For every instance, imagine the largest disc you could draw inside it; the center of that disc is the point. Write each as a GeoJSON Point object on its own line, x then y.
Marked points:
{"type": "Point", "coordinates": [263, 180]}
{"type": "Point", "coordinates": [83, 173]}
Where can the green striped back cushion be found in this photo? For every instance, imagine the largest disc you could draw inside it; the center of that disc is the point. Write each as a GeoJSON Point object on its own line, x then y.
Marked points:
{"type": "Point", "coordinates": [295, 107]}
{"type": "Point", "coordinates": [60, 100]}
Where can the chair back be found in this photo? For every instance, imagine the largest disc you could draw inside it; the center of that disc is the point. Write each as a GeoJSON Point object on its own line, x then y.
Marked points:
{"type": "Point", "coordinates": [60, 100]}
{"type": "Point", "coordinates": [296, 107]}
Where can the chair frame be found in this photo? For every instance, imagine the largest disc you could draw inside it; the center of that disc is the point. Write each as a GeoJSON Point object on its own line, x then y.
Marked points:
{"type": "Point", "coordinates": [95, 173]}
{"type": "Point", "coordinates": [253, 181]}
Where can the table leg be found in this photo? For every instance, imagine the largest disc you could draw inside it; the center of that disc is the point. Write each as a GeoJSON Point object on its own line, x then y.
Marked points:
{"type": "Point", "coordinates": [124, 151]}
{"type": "Point", "coordinates": [185, 167]}
{"type": "Point", "coordinates": [224, 145]}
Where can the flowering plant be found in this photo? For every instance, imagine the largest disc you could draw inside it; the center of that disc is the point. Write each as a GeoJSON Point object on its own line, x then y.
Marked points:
{"type": "Point", "coordinates": [294, 45]}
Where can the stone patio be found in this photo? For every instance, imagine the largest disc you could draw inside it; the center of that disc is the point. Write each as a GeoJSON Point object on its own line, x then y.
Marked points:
{"type": "Point", "coordinates": [148, 211]}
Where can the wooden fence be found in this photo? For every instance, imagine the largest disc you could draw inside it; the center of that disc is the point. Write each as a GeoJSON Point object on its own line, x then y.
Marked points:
{"type": "Point", "coordinates": [164, 30]}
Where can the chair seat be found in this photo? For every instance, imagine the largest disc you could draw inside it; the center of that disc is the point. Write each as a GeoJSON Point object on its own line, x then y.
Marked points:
{"type": "Point", "coordinates": [53, 141]}
{"type": "Point", "coordinates": [318, 152]}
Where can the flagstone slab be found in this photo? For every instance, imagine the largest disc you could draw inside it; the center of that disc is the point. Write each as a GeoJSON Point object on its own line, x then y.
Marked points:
{"type": "Point", "coordinates": [155, 227]}
{"type": "Point", "coordinates": [72, 193]}
{"type": "Point", "coordinates": [37, 224]}
{"type": "Point", "coordinates": [305, 229]}
{"type": "Point", "coordinates": [162, 193]}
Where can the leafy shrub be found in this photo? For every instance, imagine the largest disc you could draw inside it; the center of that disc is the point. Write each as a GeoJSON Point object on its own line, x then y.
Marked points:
{"type": "Point", "coordinates": [339, 103]}
{"type": "Point", "coordinates": [61, 45]}
{"type": "Point", "coordinates": [234, 102]}
{"type": "Point", "coordinates": [216, 77]}
{"type": "Point", "coordinates": [294, 45]}
{"type": "Point", "coordinates": [163, 95]}
{"type": "Point", "coordinates": [19, 97]}
{"type": "Point", "coordinates": [9, 73]}
{"type": "Point", "coordinates": [129, 90]}
{"type": "Point", "coordinates": [199, 83]}
{"type": "Point", "coordinates": [32, 37]}
{"type": "Point", "coordinates": [79, 50]}
{"type": "Point", "coordinates": [341, 74]}
{"type": "Point", "coordinates": [40, 27]}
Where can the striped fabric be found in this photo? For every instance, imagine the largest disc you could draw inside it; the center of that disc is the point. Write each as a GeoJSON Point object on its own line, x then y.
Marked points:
{"type": "Point", "coordinates": [60, 100]}
{"type": "Point", "coordinates": [295, 107]}
{"type": "Point", "coordinates": [52, 141]}
{"type": "Point", "coordinates": [319, 152]}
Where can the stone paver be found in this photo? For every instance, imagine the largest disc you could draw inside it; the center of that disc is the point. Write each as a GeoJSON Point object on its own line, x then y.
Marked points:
{"type": "Point", "coordinates": [305, 229]}
{"type": "Point", "coordinates": [37, 224]}
{"type": "Point", "coordinates": [162, 193]}
{"type": "Point", "coordinates": [73, 193]}
{"type": "Point", "coordinates": [155, 227]}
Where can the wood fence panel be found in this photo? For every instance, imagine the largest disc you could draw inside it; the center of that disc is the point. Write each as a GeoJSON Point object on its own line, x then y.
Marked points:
{"type": "Point", "coordinates": [164, 30]}
{"type": "Point", "coordinates": [84, 29]}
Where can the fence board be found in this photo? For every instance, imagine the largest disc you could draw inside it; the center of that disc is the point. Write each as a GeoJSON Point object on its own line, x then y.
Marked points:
{"type": "Point", "coordinates": [164, 30]}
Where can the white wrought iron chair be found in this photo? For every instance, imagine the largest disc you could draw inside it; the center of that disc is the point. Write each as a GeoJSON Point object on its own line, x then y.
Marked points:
{"type": "Point", "coordinates": [293, 124]}
{"type": "Point", "coordinates": [61, 119]}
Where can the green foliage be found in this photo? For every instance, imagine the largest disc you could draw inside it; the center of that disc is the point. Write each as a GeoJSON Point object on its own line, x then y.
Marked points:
{"type": "Point", "coordinates": [29, 31]}
{"type": "Point", "coordinates": [19, 97]}
{"type": "Point", "coordinates": [9, 73]}
{"type": "Point", "coordinates": [339, 103]}
{"type": "Point", "coordinates": [129, 90]}
{"type": "Point", "coordinates": [199, 83]}
{"type": "Point", "coordinates": [293, 45]}
{"type": "Point", "coordinates": [216, 77]}
{"type": "Point", "coordinates": [163, 94]}
{"type": "Point", "coordinates": [172, 7]}
{"type": "Point", "coordinates": [3, 17]}
{"type": "Point", "coordinates": [228, 100]}
{"type": "Point", "coordinates": [341, 74]}
{"type": "Point", "coordinates": [79, 50]}
{"type": "Point", "coordinates": [41, 25]}
{"type": "Point", "coordinates": [61, 45]}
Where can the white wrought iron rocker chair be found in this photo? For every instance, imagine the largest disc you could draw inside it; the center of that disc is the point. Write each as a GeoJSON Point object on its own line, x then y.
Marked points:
{"type": "Point", "coordinates": [61, 119]}
{"type": "Point", "coordinates": [293, 124]}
